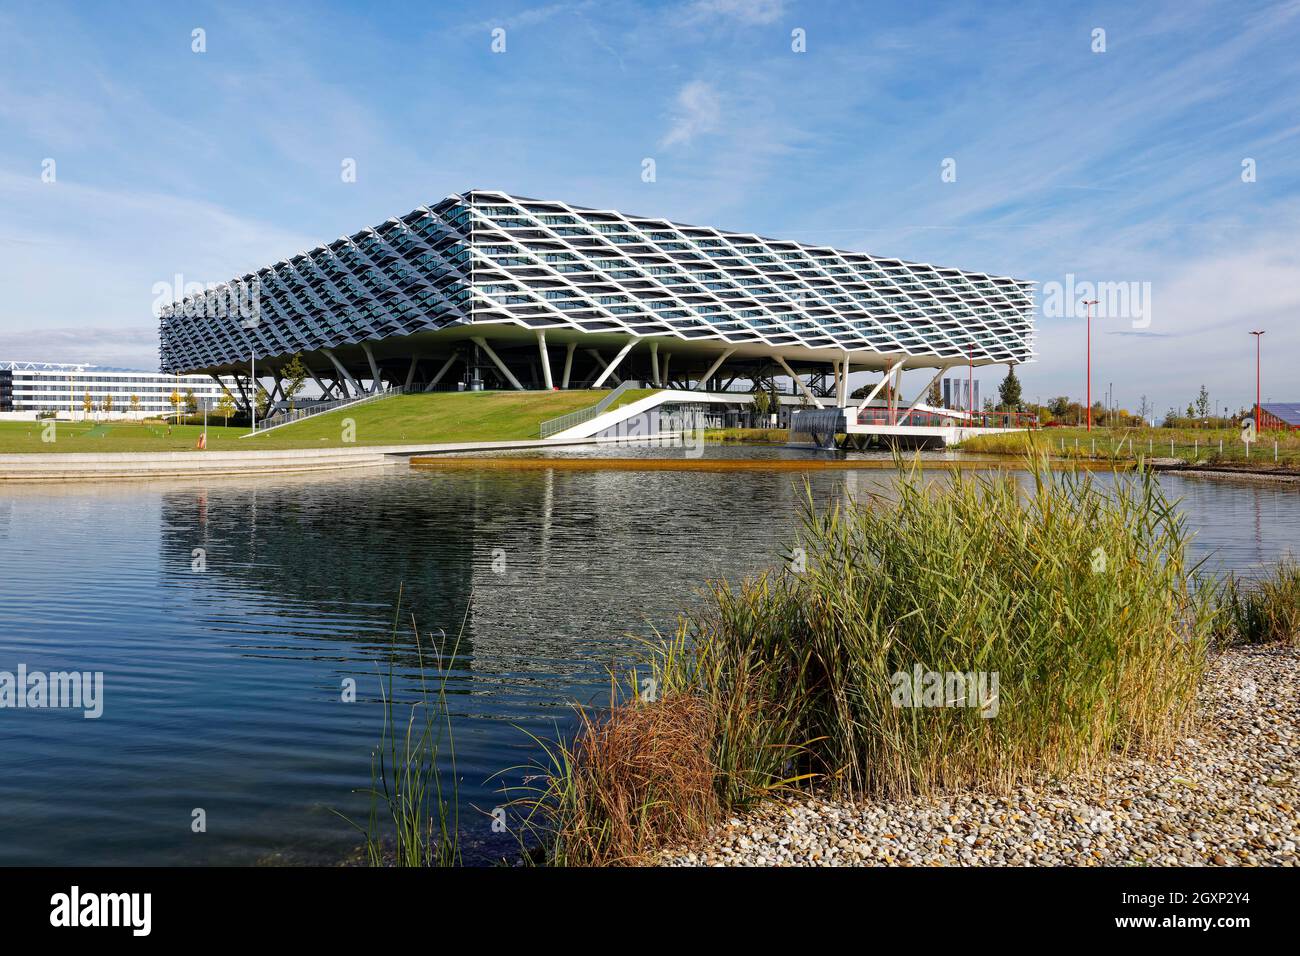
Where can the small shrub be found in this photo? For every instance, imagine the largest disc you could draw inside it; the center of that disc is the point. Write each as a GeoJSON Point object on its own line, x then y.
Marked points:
{"type": "Point", "coordinates": [633, 779]}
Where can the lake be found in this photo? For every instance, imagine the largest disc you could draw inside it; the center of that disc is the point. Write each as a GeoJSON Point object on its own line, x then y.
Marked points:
{"type": "Point", "coordinates": [226, 615]}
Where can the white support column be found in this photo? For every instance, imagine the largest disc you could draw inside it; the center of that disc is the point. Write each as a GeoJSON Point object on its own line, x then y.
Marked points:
{"type": "Point", "coordinates": [817, 402]}
{"type": "Point", "coordinates": [845, 378]}
{"type": "Point", "coordinates": [668, 358]}
{"type": "Point", "coordinates": [375, 383]}
{"type": "Point", "coordinates": [609, 369]}
{"type": "Point", "coordinates": [410, 374]}
{"type": "Point", "coordinates": [654, 364]}
{"type": "Point", "coordinates": [879, 385]}
{"type": "Point", "coordinates": [546, 359]}
{"type": "Point", "coordinates": [839, 384]}
{"type": "Point", "coordinates": [496, 360]}
{"type": "Point", "coordinates": [324, 390]}
{"type": "Point", "coordinates": [911, 408]}
{"type": "Point", "coordinates": [704, 381]}
{"type": "Point", "coordinates": [441, 372]}
{"type": "Point", "coordinates": [568, 363]}
{"type": "Point", "coordinates": [347, 376]}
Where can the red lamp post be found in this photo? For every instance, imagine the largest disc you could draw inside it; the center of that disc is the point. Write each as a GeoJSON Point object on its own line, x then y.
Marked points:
{"type": "Point", "coordinates": [1259, 425]}
{"type": "Point", "coordinates": [1089, 303]}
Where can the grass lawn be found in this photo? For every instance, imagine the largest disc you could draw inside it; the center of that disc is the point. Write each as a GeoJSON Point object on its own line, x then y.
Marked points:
{"type": "Point", "coordinates": [748, 436]}
{"type": "Point", "coordinates": [400, 420]}
{"type": "Point", "coordinates": [1210, 446]}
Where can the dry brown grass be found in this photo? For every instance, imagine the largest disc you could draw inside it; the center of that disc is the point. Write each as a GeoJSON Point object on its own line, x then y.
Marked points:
{"type": "Point", "coordinates": [638, 777]}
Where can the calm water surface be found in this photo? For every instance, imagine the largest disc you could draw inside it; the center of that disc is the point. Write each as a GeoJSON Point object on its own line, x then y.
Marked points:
{"type": "Point", "coordinates": [223, 687]}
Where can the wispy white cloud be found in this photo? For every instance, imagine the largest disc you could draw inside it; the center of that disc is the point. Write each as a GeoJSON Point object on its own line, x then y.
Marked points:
{"type": "Point", "coordinates": [528, 17]}
{"type": "Point", "coordinates": [697, 110]}
{"type": "Point", "coordinates": [754, 12]}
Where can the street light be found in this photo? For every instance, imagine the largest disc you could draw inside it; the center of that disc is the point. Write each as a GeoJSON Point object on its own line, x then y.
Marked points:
{"type": "Point", "coordinates": [1089, 303]}
{"type": "Point", "coordinates": [1258, 424]}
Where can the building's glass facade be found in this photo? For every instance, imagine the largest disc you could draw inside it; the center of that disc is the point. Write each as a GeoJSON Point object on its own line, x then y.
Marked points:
{"type": "Point", "coordinates": [489, 259]}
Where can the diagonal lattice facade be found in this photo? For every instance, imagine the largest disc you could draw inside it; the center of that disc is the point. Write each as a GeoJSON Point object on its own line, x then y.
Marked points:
{"type": "Point", "coordinates": [484, 262]}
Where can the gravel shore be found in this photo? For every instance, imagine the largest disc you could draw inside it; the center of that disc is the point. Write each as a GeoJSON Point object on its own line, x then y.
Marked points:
{"type": "Point", "coordinates": [1227, 796]}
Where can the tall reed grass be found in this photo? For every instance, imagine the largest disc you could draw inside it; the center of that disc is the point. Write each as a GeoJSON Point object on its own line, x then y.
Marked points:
{"type": "Point", "coordinates": [1261, 610]}
{"type": "Point", "coordinates": [1079, 596]}
{"type": "Point", "coordinates": [414, 815]}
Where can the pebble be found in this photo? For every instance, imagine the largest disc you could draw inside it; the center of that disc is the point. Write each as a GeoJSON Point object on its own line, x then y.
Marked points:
{"type": "Point", "coordinates": [1226, 796]}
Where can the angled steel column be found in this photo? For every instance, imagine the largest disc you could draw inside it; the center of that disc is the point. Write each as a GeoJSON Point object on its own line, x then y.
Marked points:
{"type": "Point", "coordinates": [654, 363]}
{"type": "Point", "coordinates": [602, 364]}
{"type": "Point", "coordinates": [220, 384]}
{"type": "Point", "coordinates": [375, 382]}
{"type": "Point", "coordinates": [496, 360]}
{"type": "Point", "coordinates": [911, 408]}
{"type": "Point", "coordinates": [410, 375]}
{"type": "Point", "coordinates": [347, 376]}
{"type": "Point", "coordinates": [817, 402]}
{"type": "Point", "coordinates": [704, 382]}
{"type": "Point", "coordinates": [243, 392]}
{"type": "Point", "coordinates": [879, 385]}
{"type": "Point", "coordinates": [568, 363]}
{"type": "Point", "coordinates": [546, 359]}
{"type": "Point", "coordinates": [609, 369]}
{"type": "Point", "coordinates": [441, 372]}
{"type": "Point", "coordinates": [324, 389]}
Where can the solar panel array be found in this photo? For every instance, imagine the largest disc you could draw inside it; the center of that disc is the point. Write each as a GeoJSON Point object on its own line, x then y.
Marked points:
{"type": "Point", "coordinates": [1288, 412]}
{"type": "Point", "coordinates": [486, 256]}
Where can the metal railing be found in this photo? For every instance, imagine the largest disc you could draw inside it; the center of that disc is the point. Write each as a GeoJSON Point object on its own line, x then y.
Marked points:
{"type": "Point", "coordinates": [553, 426]}
{"type": "Point", "coordinates": [886, 416]}
{"type": "Point", "coordinates": [319, 408]}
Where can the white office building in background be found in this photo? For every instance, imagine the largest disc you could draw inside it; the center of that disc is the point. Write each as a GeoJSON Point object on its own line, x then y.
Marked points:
{"type": "Point", "coordinates": [28, 389]}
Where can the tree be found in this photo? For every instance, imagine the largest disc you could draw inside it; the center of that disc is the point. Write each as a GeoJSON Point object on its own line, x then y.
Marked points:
{"type": "Point", "coordinates": [762, 405]}
{"type": "Point", "coordinates": [87, 406]}
{"type": "Point", "coordinates": [263, 400]}
{"type": "Point", "coordinates": [1009, 390]}
{"type": "Point", "coordinates": [226, 405]}
{"type": "Point", "coordinates": [191, 402]}
{"type": "Point", "coordinates": [1203, 404]}
{"type": "Point", "coordinates": [295, 374]}
{"type": "Point", "coordinates": [174, 399]}
{"type": "Point", "coordinates": [135, 404]}
{"type": "Point", "coordinates": [107, 405]}
{"type": "Point", "coordinates": [934, 398]}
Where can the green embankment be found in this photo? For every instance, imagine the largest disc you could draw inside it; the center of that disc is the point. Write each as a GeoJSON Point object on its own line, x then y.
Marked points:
{"type": "Point", "coordinates": [400, 420]}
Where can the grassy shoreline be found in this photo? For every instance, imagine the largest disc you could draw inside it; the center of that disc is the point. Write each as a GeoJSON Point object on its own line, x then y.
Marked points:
{"type": "Point", "coordinates": [1213, 449]}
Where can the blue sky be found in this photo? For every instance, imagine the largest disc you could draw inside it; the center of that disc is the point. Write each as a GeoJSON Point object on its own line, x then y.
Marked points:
{"type": "Point", "coordinates": [1115, 166]}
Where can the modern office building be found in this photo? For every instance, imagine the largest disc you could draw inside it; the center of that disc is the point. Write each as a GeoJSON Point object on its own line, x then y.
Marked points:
{"type": "Point", "coordinates": [28, 389]}
{"type": "Point", "coordinates": [489, 290]}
